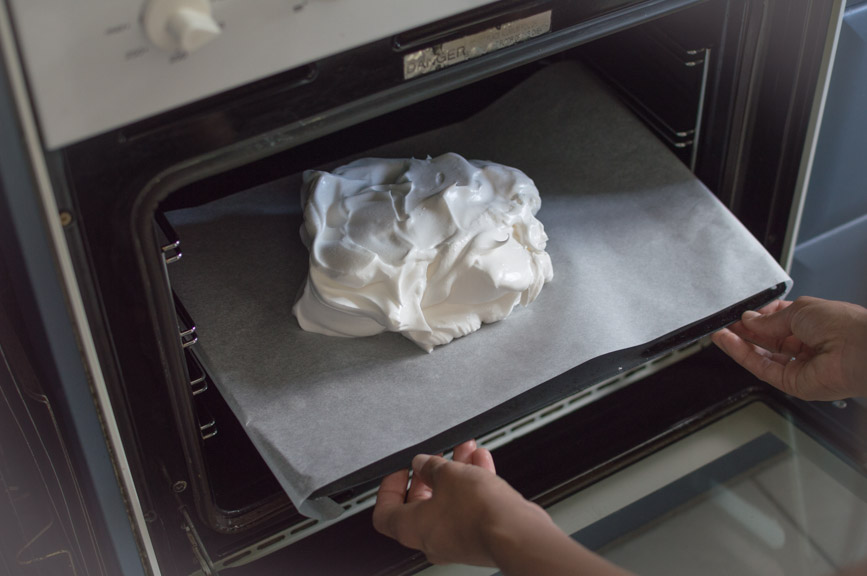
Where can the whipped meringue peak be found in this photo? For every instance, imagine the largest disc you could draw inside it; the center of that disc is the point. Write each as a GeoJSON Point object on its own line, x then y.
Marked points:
{"type": "Point", "coordinates": [429, 248]}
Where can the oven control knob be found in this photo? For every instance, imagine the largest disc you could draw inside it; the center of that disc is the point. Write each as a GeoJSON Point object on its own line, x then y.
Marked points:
{"type": "Point", "coordinates": [180, 25]}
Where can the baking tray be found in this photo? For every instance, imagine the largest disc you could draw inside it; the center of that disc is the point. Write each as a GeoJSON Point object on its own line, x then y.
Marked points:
{"type": "Point", "coordinates": [645, 259]}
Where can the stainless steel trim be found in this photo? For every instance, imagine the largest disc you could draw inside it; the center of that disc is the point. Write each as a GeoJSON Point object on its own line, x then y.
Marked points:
{"type": "Point", "coordinates": [812, 139]}
{"type": "Point", "coordinates": [186, 326]}
{"type": "Point", "coordinates": [171, 250]}
{"type": "Point", "coordinates": [198, 377]}
{"type": "Point", "coordinates": [209, 428]}
{"type": "Point", "coordinates": [471, 46]}
{"type": "Point", "coordinates": [705, 59]}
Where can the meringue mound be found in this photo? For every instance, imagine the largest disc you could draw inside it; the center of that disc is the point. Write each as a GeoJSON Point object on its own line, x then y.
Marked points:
{"type": "Point", "coordinates": [429, 248]}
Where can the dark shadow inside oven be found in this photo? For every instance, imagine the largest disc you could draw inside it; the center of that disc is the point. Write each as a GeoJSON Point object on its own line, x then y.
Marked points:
{"type": "Point", "coordinates": [661, 70]}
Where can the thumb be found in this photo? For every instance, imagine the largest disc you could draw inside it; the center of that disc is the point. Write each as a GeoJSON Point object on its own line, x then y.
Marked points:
{"type": "Point", "coordinates": [425, 468]}
{"type": "Point", "coordinates": [768, 330]}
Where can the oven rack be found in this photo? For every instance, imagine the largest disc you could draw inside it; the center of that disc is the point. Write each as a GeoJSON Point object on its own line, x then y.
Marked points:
{"type": "Point", "coordinates": [654, 54]}
{"type": "Point", "coordinates": [200, 383]}
{"type": "Point", "coordinates": [493, 440]}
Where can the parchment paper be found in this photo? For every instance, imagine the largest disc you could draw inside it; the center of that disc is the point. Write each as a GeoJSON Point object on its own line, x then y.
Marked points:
{"type": "Point", "coordinates": [640, 249]}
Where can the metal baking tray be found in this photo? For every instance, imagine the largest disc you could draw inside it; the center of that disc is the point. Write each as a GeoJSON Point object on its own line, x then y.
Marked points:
{"type": "Point", "coordinates": [646, 260]}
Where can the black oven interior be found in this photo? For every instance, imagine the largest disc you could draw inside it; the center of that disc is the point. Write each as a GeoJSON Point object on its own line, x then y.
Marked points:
{"type": "Point", "coordinates": [673, 114]}
{"type": "Point", "coordinates": [715, 80]}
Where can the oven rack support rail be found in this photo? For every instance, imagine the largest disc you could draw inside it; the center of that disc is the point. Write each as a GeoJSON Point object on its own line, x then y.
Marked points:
{"type": "Point", "coordinates": [198, 379]}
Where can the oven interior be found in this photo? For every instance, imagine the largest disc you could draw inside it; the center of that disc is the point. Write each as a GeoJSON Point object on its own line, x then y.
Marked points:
{"type": "Point", "coordinates": [660, 73]}
{"type": "Point", "coordinates": [681, 74]}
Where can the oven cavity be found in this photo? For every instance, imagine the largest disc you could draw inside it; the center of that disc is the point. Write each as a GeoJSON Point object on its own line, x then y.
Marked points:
{"type": "Point", "coordinates": [243, 225]}
{"type": "Point", "coordinates": [243, 262]}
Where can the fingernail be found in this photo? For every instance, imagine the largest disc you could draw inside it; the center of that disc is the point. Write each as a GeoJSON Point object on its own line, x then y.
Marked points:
{"type": "Point", "coordinates": [750, 314]}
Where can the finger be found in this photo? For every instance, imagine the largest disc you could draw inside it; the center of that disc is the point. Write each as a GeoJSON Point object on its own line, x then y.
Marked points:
{"type": "Point", "coordinates": [764, 365]}
{"type": "Point", "coordinates": [790, 346]}
{"type": "Point", "coordinates": [769, 331]}
{"type": "Point", "coordinates": [790, 372]}
{"type": "Point", "coordinates": [426, 468]}
{"type": "Point", "coordinates": [737, 328]}
{"type": "Point", "coordinates": [726, 339]}
{"type": "Point", "coordinates": [419, 490]}
{"type": "Point", "coordinates": [808, 380]}
{"type": "Point", "coordinates": [483, 459]}
{"type": "Point", "coordinates": [401, 523]}
{"type": "Point", "coordinates": [774, 306]}
{"type": "Point", "coordinates": [779, 357]}
{"type": "Point", "coordinates": [389, 498]}
{"type": "Point", "coordinates": [464, 451]}
{"type": "Point", "coordinates": [793, 346]}
{"type": "Point", "coordinates": [794, 384]}
{"type": "Point", "coordinates": [719, 337]}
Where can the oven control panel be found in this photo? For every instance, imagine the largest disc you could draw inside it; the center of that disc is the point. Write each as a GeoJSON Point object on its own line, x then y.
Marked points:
{"type": "Point", "coordinates": [95, 65]}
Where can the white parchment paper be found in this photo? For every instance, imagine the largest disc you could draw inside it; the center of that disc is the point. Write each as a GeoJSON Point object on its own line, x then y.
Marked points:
{"type": "Point", "coordinates": [640, 248]}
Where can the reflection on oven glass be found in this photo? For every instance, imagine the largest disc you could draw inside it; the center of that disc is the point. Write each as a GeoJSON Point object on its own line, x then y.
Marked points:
{"type": "Point", "coordinates": [784, 515]}
{"type": "Point", "coordinates": [749, 494]}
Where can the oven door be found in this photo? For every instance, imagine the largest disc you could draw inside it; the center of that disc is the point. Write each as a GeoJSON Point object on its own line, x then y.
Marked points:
{"type": "Point", "coordinates": [753, 492]}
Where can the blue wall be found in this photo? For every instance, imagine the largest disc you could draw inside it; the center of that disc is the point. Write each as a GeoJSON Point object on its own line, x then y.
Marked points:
{"type": "Point", "coordinates": [831, 251]}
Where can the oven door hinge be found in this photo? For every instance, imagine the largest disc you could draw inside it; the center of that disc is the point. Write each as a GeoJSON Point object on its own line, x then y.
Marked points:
{"type": "Point", "coordinates": [197, 546]}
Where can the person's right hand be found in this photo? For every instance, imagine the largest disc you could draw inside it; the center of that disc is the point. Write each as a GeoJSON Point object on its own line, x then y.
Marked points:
{"type": "Point", "coordinates": [461, 511]}
{"type": "Point", "coordinates": [811, 348]}
{"type": "Point", "coordinates": [451, 508]}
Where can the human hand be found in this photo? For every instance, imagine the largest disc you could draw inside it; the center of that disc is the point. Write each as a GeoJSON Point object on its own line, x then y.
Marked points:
{"type": "Point", "coordinates": [811, 348]}
{"type": "Point", "coordinates": [452, 510]}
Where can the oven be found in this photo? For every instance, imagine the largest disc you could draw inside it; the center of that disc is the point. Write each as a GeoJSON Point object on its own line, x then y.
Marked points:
{"type": "Point", "coordinates": [151, 256]}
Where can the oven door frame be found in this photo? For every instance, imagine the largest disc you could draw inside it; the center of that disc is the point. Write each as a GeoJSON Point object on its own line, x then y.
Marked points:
{"type": "Point", "coordinates": [78, 472]}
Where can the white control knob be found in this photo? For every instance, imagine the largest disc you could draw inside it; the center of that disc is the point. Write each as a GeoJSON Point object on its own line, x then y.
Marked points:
{"type": "Point", "coordinates": [180, 25]}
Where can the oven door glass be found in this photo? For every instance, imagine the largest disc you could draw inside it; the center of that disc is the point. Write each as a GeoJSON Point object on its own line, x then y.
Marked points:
{"type": "Point", "coordinates": [749, 494]}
